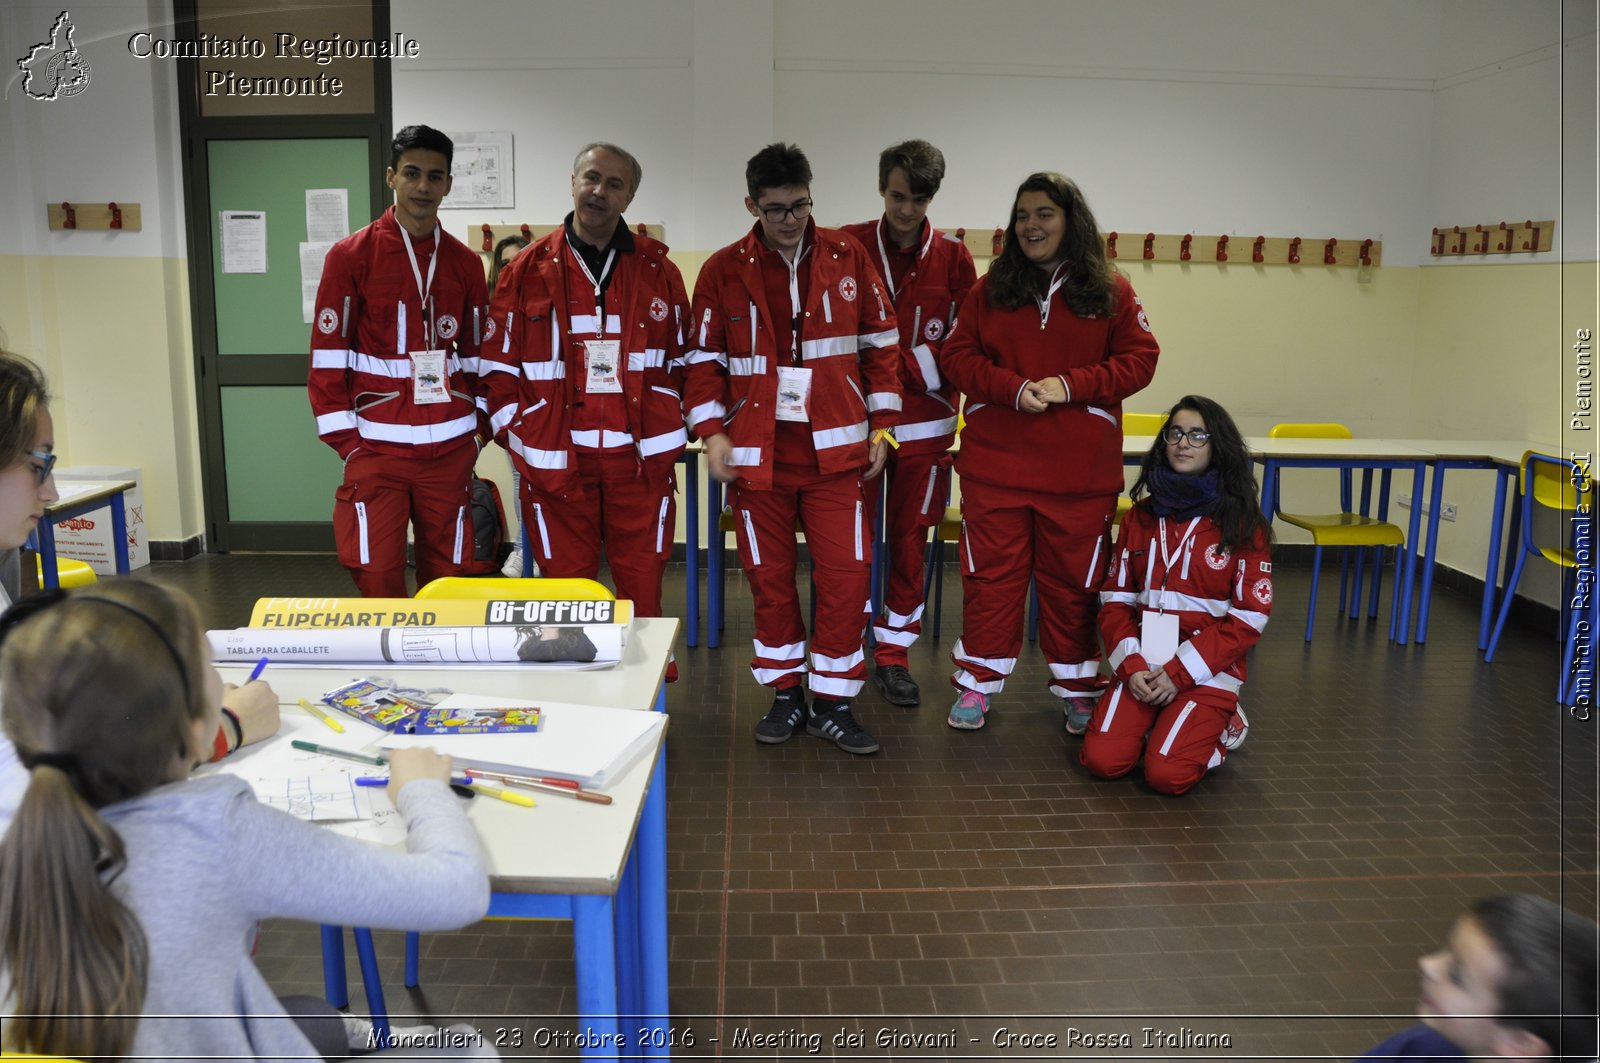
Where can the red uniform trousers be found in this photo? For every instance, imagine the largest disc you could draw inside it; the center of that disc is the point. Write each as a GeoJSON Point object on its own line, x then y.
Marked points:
{"type": "Point", "coordinates": [919, 484]}
{"type": "Point", "coordinates": [381, 494]}
{"type": "Point", "coordinates": [616, 503]}
{"type": "Point", "coordinates": [1008, 534]}
{"type": "Point", "coordinates": [832, 513]}
{"type": "Point", "coordinates": [1182, 745]}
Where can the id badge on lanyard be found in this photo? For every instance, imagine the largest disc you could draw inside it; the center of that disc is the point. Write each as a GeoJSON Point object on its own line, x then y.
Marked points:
{"type": "Point", "coordinates": [794, 393]}
{"type": "Point", "coordinates": [430, 383]}
{"type": "Point", "coordinates": [1158, 629]}
{"type": "Point", "coordinates": [601, 375]}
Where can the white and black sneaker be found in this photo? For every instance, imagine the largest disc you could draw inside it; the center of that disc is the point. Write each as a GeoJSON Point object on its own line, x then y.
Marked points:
{"type": "Point", "coordinates": [788, 709]}
{"type": "Point", "coordinates": [832, 720]}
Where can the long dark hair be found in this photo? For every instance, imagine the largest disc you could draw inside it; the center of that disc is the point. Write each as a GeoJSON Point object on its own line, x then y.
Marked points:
{"type": "Point", "coordinates": [1238, 513]}
{"type": "Point", "coordinates": [1090, 286]}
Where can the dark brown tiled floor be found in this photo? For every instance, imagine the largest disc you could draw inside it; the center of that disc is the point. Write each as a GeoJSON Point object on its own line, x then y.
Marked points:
{"type": "Point", "coordinates": [978, 885]}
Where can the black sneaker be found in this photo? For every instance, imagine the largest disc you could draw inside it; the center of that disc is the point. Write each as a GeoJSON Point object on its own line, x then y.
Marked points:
{"type": "Point", "coordinates": [788, 708]}
{"type": "Point", "coordinates": [897, 685]}
{"type": "Point", "coordinates": [832, 720]}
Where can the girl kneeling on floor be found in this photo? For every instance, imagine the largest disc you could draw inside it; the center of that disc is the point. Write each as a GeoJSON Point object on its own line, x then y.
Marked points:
{"type": "Point", "coordinates": [1188, 594]}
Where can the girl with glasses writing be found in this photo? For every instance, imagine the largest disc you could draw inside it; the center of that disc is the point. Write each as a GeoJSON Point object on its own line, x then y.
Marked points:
{"type": "Point", "coordinates": [1188, 594]}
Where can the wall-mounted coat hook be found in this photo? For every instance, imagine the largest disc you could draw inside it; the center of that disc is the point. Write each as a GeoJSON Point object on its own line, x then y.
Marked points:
{"type": "Point", "coordinates": [1149, 245]}
{"type": "Point", "coordinates": [998, 243]}
{"type": "Point", "coordinates": [1294, 251]}
{"type": "Point", "coordinates": [116, 214]}
{"type": "Point", "coordinates": [1184, 255]}
{"type": "Point", "coordinates": [1258, 251]}
{"type": "Point", "coordinates": [1111, 245]}
{"type": "Point", "coordinates": [1532, 245]}
{"type": "Point", "coordinates": [1482, 245]}
{"type": "Point", "coordinates": [72, 215]}
{"type": "Point", "coordinates": [1328, 258]}
{"type": "Point", "coordinates": [1366, 252]}
{"type": "Point", "coordinates": [1222, 249]}
{"type": "Point", "coordinates": [527, 233]}
{"type": "Point", "coordinates": [488, 237]}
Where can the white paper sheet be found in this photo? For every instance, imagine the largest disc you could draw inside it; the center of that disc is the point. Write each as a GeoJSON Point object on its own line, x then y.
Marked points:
{"type": "Point", "coordinates": [244, 241]}
{"type": "Point", "coordinates": [312, 255]}
{"type": "Point", "coordinates": [327, 214]}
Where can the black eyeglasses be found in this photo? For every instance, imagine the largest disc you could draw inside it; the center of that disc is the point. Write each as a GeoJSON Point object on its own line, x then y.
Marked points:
{"type": "Point", "coordinates": [776, 212]}
{"type": "Point", "coordinates": [1198, 437]}
{"type": "Point", "coordinates": [47, 463]}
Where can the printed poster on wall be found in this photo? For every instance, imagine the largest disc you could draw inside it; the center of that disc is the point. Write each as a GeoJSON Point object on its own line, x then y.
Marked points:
{"type": "Point", "coordinates": [482, 171]}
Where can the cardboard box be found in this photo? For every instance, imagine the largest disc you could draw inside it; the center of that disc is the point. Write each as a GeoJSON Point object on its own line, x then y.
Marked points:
{"type": "Point", "coordinates": [88, 537]}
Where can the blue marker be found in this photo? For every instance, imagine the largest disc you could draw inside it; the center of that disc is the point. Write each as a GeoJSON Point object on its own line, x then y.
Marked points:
{"type": "Point", "coordinates": [383, 780]}
{"type": "Point", "coordinates": [255, 673]}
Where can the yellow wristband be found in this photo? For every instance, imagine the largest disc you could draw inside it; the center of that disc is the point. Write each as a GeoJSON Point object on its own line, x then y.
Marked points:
{"type": "Point", "coordinates": [884, 433]}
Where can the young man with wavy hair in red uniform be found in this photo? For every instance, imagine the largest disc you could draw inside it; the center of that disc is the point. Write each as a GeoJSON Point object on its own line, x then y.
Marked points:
{"type": "Point", "coordinates": [585, 385]}
{"type": "Point", "coordinates": [793, 373]}
{"type": "Point", "coordinates": [1048, 345]}
{"type": "Point", "coordinates": [928, 274]}
{"type": "Point", "coordinates": [400, 314]}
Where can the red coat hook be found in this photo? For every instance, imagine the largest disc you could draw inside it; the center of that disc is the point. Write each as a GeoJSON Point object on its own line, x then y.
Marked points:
{"type": "Point", "coordinates": [642, 229]}
{"type": "Point", "coordinates": [1111, 245]}
{"type": "Point", "coordinates": [1183, 250]}
{"type": "Point", "coordinates": [488, 237]}
{"type": "Point", "coordinates": [527, 233]}
{"type": "Point", "coordinates": [1222, 249]}
{"type": "Point", "coordinates": [116, 215]}
{"type": "Point", "coordinates": [1258, 250]}
{"type": "Point", "coordinates": [1366, 252]}
{"type": "Point", "coordinates": [998, 242]}
{"type": "Point", "coordinates": [961, 234]}
{"type": "Point", "coordinates": [1436, 247]}
{"type": "Point", "coordinates": [1328, 258]}
{"type": "Point", "coordinates": [1504, 243]}
{"type": "Point", "coordinates": [1482, 247]}
{"type": "Point", "coordinates": [1460, 246]}
{"type": "Point", "coordinates": [1534, 246]}
{"type": "Point", "coordinates": [72, 216]}
{"type": "Point", "coordinates": [1294, 251]}
{"type": "Point", "coordinates": [1149, 245]}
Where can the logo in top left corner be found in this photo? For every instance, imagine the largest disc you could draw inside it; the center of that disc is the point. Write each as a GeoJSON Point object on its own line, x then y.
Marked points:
{"type": "Point", "coordinates": [55, 69]}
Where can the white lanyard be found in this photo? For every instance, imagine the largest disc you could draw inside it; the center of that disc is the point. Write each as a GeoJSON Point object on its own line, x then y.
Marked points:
{"type": "Point", "coordinates": [794, 297]}
{"type": "Point", "coordinates": [1057, 279]}
{"type": "Point", "coordinates": [883, 255]}
{"type": "Point", "coordinates": [605, 271]}
{"type": "Point", "coordinates": [423, 290]}
{"type": "Point", "coordinates": [1176, 554]}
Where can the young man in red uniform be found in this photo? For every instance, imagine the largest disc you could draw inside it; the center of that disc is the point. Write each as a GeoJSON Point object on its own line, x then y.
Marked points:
{"type": "Point", "coordinates": [928, 274]}
{"type": "Point", "coordinates": [793, 374]}
{"type": "Point", "coordinates": [585, 385]}
{"type": "Point", "coordinates": [394, 377]}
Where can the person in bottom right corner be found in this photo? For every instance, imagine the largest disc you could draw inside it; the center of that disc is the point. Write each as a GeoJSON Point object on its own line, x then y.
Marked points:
{"type": "Point", "coordinates": [1187, 596]}
{"type": "Point", "coordinates": [1515, 981]}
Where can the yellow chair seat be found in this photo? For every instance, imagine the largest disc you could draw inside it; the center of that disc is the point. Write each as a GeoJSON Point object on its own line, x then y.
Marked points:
{"type": "Point", "coordinates": [70, 572]}
{"type": "Point", "coordinates": [1346, 529]}
{"type": "Point", "coordinates": [950, 524]}
{"type": "Point", "coordinates": [1561, 555]}
{"type": "Point", "coordinates": [1124, 503]}
{"type": "Point", "coordinates": [468, 588]}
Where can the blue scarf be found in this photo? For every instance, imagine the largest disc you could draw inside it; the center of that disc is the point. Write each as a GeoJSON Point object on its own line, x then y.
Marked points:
{"type": "Point", "coordinates": [1181, 497]}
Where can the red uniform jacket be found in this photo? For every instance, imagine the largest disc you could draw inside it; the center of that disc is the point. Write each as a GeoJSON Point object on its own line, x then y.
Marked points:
{"type": "Point", "coordinates": [1222, 599]}
{"type": "Point", "coordinates": [925, 306]}
{"type": "Point", "coordinates": [847, 338]}
{"type": "Point", "coordinates": [1071, 449]}
{"type": "Point", "coordinates": [369, 317]}
{"type": "Point", "coordinates": [532, 375]}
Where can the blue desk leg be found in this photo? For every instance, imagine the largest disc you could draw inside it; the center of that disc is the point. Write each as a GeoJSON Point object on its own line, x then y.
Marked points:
{"type": "Point", "coordinates": [691, 546]}
{"type": "Point", "coordinates": [119, 533]}
{"type": "Point", "coordinates": [1491, 568]}
{"type": "Point", "coordinates": [595, 945]}
{"type": "Point", "coordinates": [372, 981]}
{"type": "Point", "coordinates": [630, 995]}
{"type": "Point", "coordinates": [334, 985]}
{"type": "Point", "coordinates": [652, 852]}
{"type": "Point", "coordinates": [1400, 620]}
{"type": "Point", "coordinates": [1435, 504]}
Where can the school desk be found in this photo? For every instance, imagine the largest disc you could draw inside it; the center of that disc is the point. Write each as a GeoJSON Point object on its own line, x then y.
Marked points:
{"type": "Point", "coordinates": [78, 498]}
{"type": "Point", "coordinates": [601, 866]}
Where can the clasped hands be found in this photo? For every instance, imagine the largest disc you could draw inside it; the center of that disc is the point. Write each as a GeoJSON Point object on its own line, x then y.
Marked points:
{"type": "Point", "coordinates": [1154, 687]}
{"type": "Point", "coordinates": [1039, 395]}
